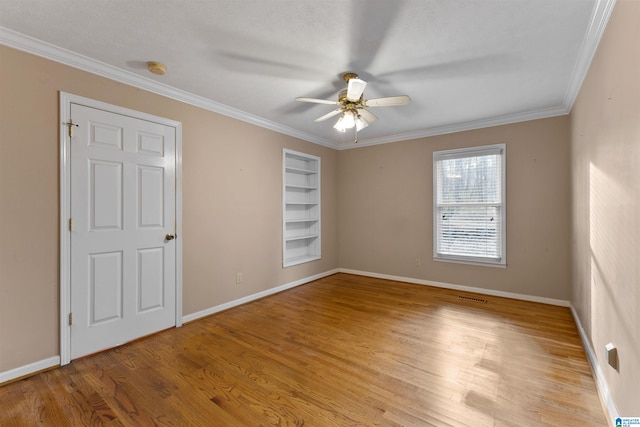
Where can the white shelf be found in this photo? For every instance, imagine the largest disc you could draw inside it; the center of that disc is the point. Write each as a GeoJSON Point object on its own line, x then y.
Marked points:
{"type": "Point", "coordinates": [308, 236]}
{"type": "Point", "coordinates": [302, 187]}
{"type": "Point", "coordinates": [300, 208]}
{"type": "Point", "coordinates": [301, 260]}
{"type": "Point", "coordinates": [301, 171]}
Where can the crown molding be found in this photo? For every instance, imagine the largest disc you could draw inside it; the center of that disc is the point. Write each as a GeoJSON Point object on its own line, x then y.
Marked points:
{"type": "Point", "coordinates": [461, 127]}
{"type": "Point", "coordinates": [49, 51]}
{"type": "Point", "coordinates": [599, 17]}
{"type": "Point", "coordinates": [597, 24]}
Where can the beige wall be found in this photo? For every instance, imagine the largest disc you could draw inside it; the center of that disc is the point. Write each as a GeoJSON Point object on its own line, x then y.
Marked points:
{"type": "Point", "coordinates": [386, 209]}
{"type": "Point", "coordinates": [232, 191]}
{"type": "Point", "coordinates": [605, 143]}
{"type": "Point", "coordinates": [576, 174]}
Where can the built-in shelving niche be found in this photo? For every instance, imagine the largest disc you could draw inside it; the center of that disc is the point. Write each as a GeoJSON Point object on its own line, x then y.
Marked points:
{"type": "Point", "coordinates": [301, 208]}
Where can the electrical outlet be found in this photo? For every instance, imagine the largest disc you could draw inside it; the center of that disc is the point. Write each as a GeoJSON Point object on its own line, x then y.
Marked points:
{"type": "Point", "coordinates": [418, 262]}
{"type": "Point", "coordinates": [239, 278]}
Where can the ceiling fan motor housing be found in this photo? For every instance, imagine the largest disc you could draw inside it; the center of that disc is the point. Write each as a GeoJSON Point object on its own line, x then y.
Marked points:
{"type": "Point", "coordinates": [342, 99]}
{"type": "Point", "coordinates": [349, 76]}
{"type": "Point", "coordinates": [352, 108]}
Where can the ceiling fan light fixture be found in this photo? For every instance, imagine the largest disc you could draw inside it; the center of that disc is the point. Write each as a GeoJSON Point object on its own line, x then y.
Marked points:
{"type": "Point", "coordinates": [339, 126]}
{"type": "Point", "coordinates": [346, 121]}
{"type": "Point", "coordinates": [361, 123]}
{"type": "Point", "coordinates": [352, 107]}
{"type": "Point", "coordinates": [349, 119]}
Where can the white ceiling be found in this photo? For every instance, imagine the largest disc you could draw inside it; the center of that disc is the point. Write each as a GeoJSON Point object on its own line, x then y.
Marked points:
{"type": "Point", "coordinates": [465, 63]}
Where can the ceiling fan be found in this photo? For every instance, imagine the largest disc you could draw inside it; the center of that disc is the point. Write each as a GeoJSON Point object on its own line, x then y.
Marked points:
{"type": "Point", "coordinates": [353, 107]}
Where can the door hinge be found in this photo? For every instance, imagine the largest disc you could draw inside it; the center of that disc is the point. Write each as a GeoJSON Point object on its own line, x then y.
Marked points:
{"type": "Point", "coordinates": [70, 319]}
{"type": "Point", "coordinates": [70, 224]}
{"type": "Point", "coordinates": [71, 125]}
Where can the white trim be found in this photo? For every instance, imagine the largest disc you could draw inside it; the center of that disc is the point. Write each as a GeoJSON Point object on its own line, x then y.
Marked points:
{"type": "Point", "coordinates": [506, 119]}
{"type": "Point", "coordinates": [31, 368]}
{"type": "Point", "coordinates": [54, 53]}
{"type": "Point", "coordinates": [460, 153]}
{"type": "Point", "coordinates": [315, 247]}
{"type": "Point", "coordinates": [467, 262]}
{"type": "Point", "coordinates": [66, 99]}
{"type": "Point", "coordinates": [227, 305]}
{"type": "Point", "coordinates": [55, 361]}
{"type": "Point", "coordinates": [65, 237]}
{"type": "Point", "coordinates": [601, 381]}
{"type": "Point", "coordinates": [600, 16]}
{"type": "Point", "coordinates": [483, 291]}
{"type": "Point", "coordinates": [178, 225]}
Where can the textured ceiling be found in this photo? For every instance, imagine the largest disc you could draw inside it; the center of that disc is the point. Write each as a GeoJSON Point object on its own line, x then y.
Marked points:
{"type": "Point", "coordinates": [464, 63]}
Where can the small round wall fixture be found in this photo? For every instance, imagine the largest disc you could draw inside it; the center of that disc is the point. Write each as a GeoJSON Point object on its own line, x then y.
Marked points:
{"type": "Point", "coordinates": [156, 68]}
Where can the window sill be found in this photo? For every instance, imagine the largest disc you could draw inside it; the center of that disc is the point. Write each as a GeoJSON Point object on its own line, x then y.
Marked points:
{"type": "Point", "coordinates": [471, 262]}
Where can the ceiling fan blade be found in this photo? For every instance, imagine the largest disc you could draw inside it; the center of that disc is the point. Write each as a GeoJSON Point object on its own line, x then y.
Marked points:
{"type": "Point", "coordinates": [355, 89]}
{"type": "Point", "coordinates": [387, 102]}
{"type": "Point", "coordinates": [377, 20]}
{"type": "Point", "coordinates": [490, 64]}
{"type": "Point", "coordinates": [329, 115]}
{"type": "Point", "coordinates": [252, 64]}
{"type": "Point", "coordinates": [317, 101]}
{"type": "Point", "coordinates": [367, 115]}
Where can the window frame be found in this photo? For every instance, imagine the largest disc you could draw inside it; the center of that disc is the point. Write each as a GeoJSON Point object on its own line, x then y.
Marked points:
{"type": "Point", "coordinates": [464, 153]}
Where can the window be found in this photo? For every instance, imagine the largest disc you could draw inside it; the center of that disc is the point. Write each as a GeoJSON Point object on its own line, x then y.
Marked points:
{"type": "Point", "coordinates": [469, 205]}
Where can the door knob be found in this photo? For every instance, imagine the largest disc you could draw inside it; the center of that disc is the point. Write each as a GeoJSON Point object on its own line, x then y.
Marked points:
{"type": "Point", "coordinates": [170, 236]}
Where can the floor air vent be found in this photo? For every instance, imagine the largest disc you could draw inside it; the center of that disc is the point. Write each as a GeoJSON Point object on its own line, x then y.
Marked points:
{"type": "Point", "coordinates": [474, 299]}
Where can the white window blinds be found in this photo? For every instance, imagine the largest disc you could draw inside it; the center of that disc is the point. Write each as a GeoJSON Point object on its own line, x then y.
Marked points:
{"type": "Point", "coordinates": [469, 205]}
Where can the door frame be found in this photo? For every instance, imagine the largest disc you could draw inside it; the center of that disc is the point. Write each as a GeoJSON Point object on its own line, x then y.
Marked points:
{"type": "Point", "coordinates": [66, 99]}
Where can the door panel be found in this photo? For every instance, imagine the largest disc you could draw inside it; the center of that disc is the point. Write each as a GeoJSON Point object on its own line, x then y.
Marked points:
{"type": "Point", "coordinates": [150, 144]}
{"type": "Point", "coordinates": [151, 197]}
{"type": "Point", "coordinates": [105, 283]}
{"type": "Point", "coordinates": [105, 136]}
{"type": "Point", "coordinates": [123, 205]}
{"type": "Point", "coordinates": [105, 195]}
{"type": "Point", "coordinates": [150, 279]}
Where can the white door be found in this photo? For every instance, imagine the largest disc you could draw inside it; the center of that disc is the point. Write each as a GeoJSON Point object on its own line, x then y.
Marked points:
{"type": "Point", "coordinates": [123, 255]}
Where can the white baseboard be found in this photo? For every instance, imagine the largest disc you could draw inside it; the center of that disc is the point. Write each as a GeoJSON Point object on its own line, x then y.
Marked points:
{"type": "Point", "coordinates": [29, 369]}
{"type": "Point", "coordinates": [227, 305]}
{"type": "Point", "coordinates": [483, 291]}
{"type": "Point", "coordinates": [51, 362]}
{"type": "Point", "coordinates": [601, 381]}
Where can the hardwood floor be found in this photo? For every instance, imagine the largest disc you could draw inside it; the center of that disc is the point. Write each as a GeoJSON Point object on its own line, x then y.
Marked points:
{"type": "Point", "coordinates": [341, 351]}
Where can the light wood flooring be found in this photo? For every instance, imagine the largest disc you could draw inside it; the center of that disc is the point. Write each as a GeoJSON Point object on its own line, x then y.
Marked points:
{"type": "Point", "coordinates": [341, 351]}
